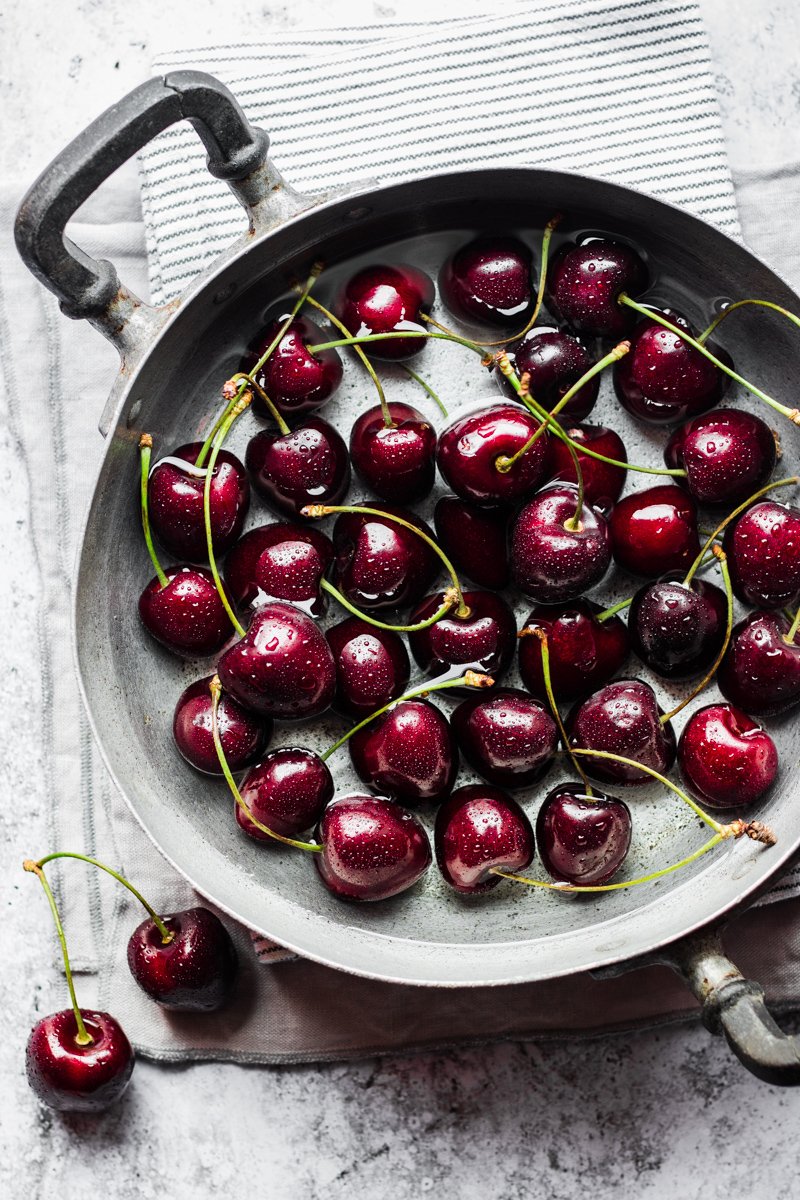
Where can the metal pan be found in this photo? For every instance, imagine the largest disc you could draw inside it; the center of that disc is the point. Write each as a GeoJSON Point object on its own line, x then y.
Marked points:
{"type": "Point", "coordinates": [171, 363]}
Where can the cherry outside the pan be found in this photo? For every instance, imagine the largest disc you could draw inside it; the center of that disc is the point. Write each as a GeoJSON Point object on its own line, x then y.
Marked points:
{"type": "Point", "coordinates": [726, 759]}
{"type": "Point", "coordinates": [483, 640]}
{"type": "Point", "coordinates": [583, 840]}
{"type": "Point", "coordinates": [240, 564]}
{"type": "Point", "coordinates": [727, 455]}
{"type": "Point", "coordinates": [474, 539]}
{"type": "Point", "coordinates": [307, 465]}
{"type": "Point", "coordinates": [655, 531]}
{"type": "Point", "coordinates": [506, 736]}
{"type": "Point", "coordinates": [760, 672]}
{"type": "Point", "coordinates": [557, 554]}
{"type": "Point", "coordinates": [408, 753]}
{"type": "Point", "coordinates": [677, 630]}
{"type": "Point", "coordinates": [175, 501]}
{"type": "Point", "coordinates": [244, 736]}
{"type": "Point", "coordinates": [553, 360]}
{"type": "Point", "coordinates": [623, 718]}
{"type": "Point", "coordinates": [72, 1077]}
{"type": "Point", "coordinates": [395, 461]}
{"type": "Point", "coordinates": [602, 482]}
{"type": "Point", "coordinates": [372, 667]}
{"type": "Point", "coordinates": [187, 615]}
{"type": "Point", "coordinates": [195, 971]}
{"type": "Point", "coordinates": [471, 445]}
{"type": "Point", "coordinates": [488, 281]}
{"type": "Point", "coordinates": [295, 381]}
{"type": "Point", "coordinates": [380, 564]}
{"type": "Point", "coordinates": [384, 299]}
{"type": "Point", "coordinates": [481, 828]}
{"type": "Point", "coordinates": [372, 848]}
{"type": "Point", "coordinates": [584, 651]}
{"type": "Point", "coordinates": [287, 791]}
{"type": "Point", "coordinates": [584, 284]}
{"type": "Point", "coordinates": [763, 549]}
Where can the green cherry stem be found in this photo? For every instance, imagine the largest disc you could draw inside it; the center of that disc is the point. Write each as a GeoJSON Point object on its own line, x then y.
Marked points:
{"type": "Point", "coordinates": [706, 334]}
{"type": "Point", "coordinates": [238, 408]}
{"type": "Point", "coordinates": [608, 613]}
{"type": "Point", "coordinates": [83, 1037]}
{"type": "Point", "coordinates": [712, 537]}
{"type": "Point", "coordinates": [413, 375]}
{"type": "Point", "coordinates": [793, 628]}
{"type": "Point", "coordinates": [468, 679]}
{"type": "Point", "coordinates": [721, 557]}
{"type": "Point", "coordinates": [538, 632]}
{"type": "Point", "coordinates": [166, 935]}
{"type": "Point", "coordinates": [367, 338]}
{"type": "Point", "coordinates": [145, 452]}
{"type": "Point", "coordinates": [662, 779]}
{"type": "Point", "coordinates": [216, 690]}
{"type": "Point", "coordinates": [449, 602]}
{"type": "Point", "coordinates": [388, 420]}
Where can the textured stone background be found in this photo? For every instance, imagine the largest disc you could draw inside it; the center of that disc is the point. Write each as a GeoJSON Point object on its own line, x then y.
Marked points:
{"type": "Point", "coordinates": [662, 1114]}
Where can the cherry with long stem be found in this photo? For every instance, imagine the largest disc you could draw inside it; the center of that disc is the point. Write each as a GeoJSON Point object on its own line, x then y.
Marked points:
{"type": "Point", "coordinates": [83, 1037]}
{"type": "Point", "coordinates": [239, 407]}
{"type": "Point", "coordinates": [706, 334]}
{"type": "Point", "coordinates": [740, 508]}
{"type": "Point", "coordinates": [145, 453]}
{"type": "Point", "coordinates": [388, 420]}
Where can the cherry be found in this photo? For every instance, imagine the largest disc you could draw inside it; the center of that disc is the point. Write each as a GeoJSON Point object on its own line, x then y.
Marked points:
{"type": "Point", "coordinates": [195, 971]}
{"type": "Point", "coordinates": [727, 455]}
{"type": "Point", "coordinates": [725, 758]}
{"type": "Point", "coordinates": [72, 1077]}
{"type": "Point", "coordinates": [678, 630]}
{"type": "Point", "coordinates": [241, 561]}
{"type": "Point", "coordinates": [602, 482]}
{"type": "Point", "coordinates": [763, 548]}
{"type": "Point", "coordinates": [559, 549]}
{"type": "Point", "coordinates": [186, 614]}
{"type": "Point", "coordinates": [471, 445]}
{"type": "Point", "coordinates": [395, 461]}
{"type": "Point", "coordinates": [585, 652]}
{"type": "Point", "coordinates": [585, 282]}
{"type": "Point", "coordinates": [623, 718]}
{"type": "Point", "coordinates": [380, 564]}
{"type": "Point", "coordinates": [372, 848]}
{"type": "Point", "coordinates": [583, 840]}
{"type": "Point", "coordinates": [489, 281]}
{"type": "Point", "coordinates": [244, 736]}
{"type": "Point", "coordinates": [175, 498]}
{"type": "Point", "coordinates": [655, 531]}
{"type": "Point", "coordinates": [282, 667]}
{"type": "Point", "coordinates": [474, 539]}
{"type": "Point", "coordinates": [554, 361]}
{"type": "Point", "coordinates": [483, 640]}
{"type": "Point", "coordinates": [287, 791]}
{"type": "Point", "coordinates": [295, 381]}
{"type": "Point", "coordinates": [293, 571]}
{"type": "Point", "coordinates": [372, 667]}
{"type": "Point", "coordinates": [306, 465]}
{"type": "Point", "coordinates": [664, 379]}
{"type": "Point", "coordinates": [408, 753]}
{"type": "Point", "coordinates": [383, 299]}
{"type": "Point", "coordinates": [479, 830]}
{"type": "Point", "coordinates": [761, 671]}
{"type": "Point", "coordinates": [507, 737]}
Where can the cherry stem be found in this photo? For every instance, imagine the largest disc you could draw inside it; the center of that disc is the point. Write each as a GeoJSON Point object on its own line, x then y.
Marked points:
{"type": "Point", "coordinates": [216, 690]}
{"type": "Point", "coordinates": [239, 407]}
{"type": "Point", "coordinates": [427, 387]}
{"type": "Point", "coordinates": [324, 510]}
{"type": "Point", "coordinates": [706, 334]}
{"type": "Point", "coordinates": [450, 600]}
{"type": "Point", "coordinates": [83, 1038]}
{"type": "Point", "coordinates": [468, 679]}
{"type": "Point", "coordinates": [662, 779]}
{"type": "Point", "coordinates": [793, 628]}
{"type": "Point", "coordinates": [607, 613]}
{"type": "Point", "coordinates": [145, 452]}
{"type": "Point", "coordinates": [366, 338]}
{"type": "Point", "coordinates": [712, 537]}
{"type": "Point", "coordinates": [166, 935]}
{"type": "Point", "coordinates": [793, 414]}
{"type": "Point", "coordinates": [388, 420]}
{"type": "Point", "coordinates": [539, 633]}
{"type": "Point", "coordinates": [721, 557]}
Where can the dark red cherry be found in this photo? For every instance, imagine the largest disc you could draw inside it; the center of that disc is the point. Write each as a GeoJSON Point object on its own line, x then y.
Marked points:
{"type": "Point", "coordinates": [763, 549]}
{"type": "Point", "coordinates": [380, 564]}
{"type": "Point", "coordinates": [373, 848]}
{"type": "Point", "coordinates": [725, 758]}
{"type": "Point", "coordinates": [195, 972]}
{"type": "Point", "coordinates": [175, 499]}
{"type": "Point", "coordinates": [727, 455]}
{"type": "Point", "coordinates": [584, 652]}
{"type": "Point", "coordinates": [244, 736]}
{"type": "Point", "coordinates": [470, 446]}
{"type": "Point", "coordinates": [395, 461]}
{"type": "Point", "coordinates": [489, 281]}
{"type": "Point", "coordinates": [760, 672]}
{"type": "Point", "coordinates": [484, 640]}
{"type": "Point", "coordinates": [295, 381]}
{"type": "Point", "coordinates": [583, 840]}
{"type": "Point", "coordinates": [506, 736]}
{"type": "Point", "coordinates": [408, 753]}
{"type": "Point", "coordinates": [481, 828]}
{"type": "Point", "coordinates": [602, 482]}
{"type": "Point", "coordinates": [187, 616]}
{"type": "Point", "coordinates": [655, 531]}
{"type": "Point", "coordinates": [293, 571]}
{"type": "Point", "coordinates": [474, 539]}
{"type": "Point", "coordinates": [554, 360]}
{"type": "Point", "coordinates": [282, 667]}
{"type": "Point", "coordinates": [584, 284]}
{"type": "Point", "coordinates": [622, 718]}
{"type": "Point", "coordinates": [676, 630]}
{"type": "Point", "coordinates": [386, 299]}
{"type": "Point", "coordinates": [287, 791]}
{"type": "Point", "coordinates": [308, 465]}
{"type": "Point", "coordinates": [372, 666]}
{"type": "Point", "coordinates": [663, 379]}
{"type": "Point", "coordinates": [550, 561]}
{"type": "Point", "coordinates": [75, 1078]}
{"type": "Point", "coordinates": [240, 565]}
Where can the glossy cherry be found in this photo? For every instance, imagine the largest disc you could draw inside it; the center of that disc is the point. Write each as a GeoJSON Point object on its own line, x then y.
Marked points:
{"type": "Point", "coordinates": [489, 281]}
{"type": "Point", "coordinates": [187, 616]}
{"type": "Point", "coordinates": [584, 283]}
{"type": "Point", "coordinates": [727, 455]}
{"type": "Point", "coordinates": [397, 462]}
{"type": "Point", "coordinates": [73, 1078]}
{"type": "Point", "coordinates": [380, 564]}
{"type": "Point", "coordinates": [583, 840]}
{"type": "Point", "coordinates": [372, 667]}
{"type": "Point", "coordinates": [506, 736]}
{"type": "Point", "coordinates": [471, 445]}
{"type": "Point", "coordinates": [293, 571]}
{"type": "Point", "coordinates": [480, 829]}
{"type": "Point", "coordinates": [763, 549]}
{"type": "Point", "coordinates": [554, 556]}
{"type": "Point", "coordinates": [244, 736]}
{"type": "Point", "coordinates": [655, 531]}
{"type": "Point", "coordinates": [408, 753]}
{"type": "Point", "coordinates": [175, 500]}
{"type": "Point", "coordinates": [372, 848]}
{"type": "Point", "coordinates": [602, 482]}
{"type": "Point", "coordinates": [474, 539]}
{"type": "Point", "coordinates": [584, 652]}
{"type": "Point", "coordinates": [677, 630]}
{"type": "Point", "coordinates": [383, 299]}
{"type": "Point", "coordinates": [308, 465]}
{"type": "Point", "coordinates": [760, 672]}
{"type": "Point", "coordinates": [287, 791]}
{"type": "Point", "coordinates": [483, 640]}
{"type": "Point", "coordinates": [726, 759]}
{"type": "Point", "coordinates": [554, 360]}
{"type": "Point", "coordinates": [240, 564]}
{"type": "Point", "coordinates": [622, 718]}
{"type": "Point", "coordinates": [295, 381]}
{"type": "Point", "coordinates": [195, 972]}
